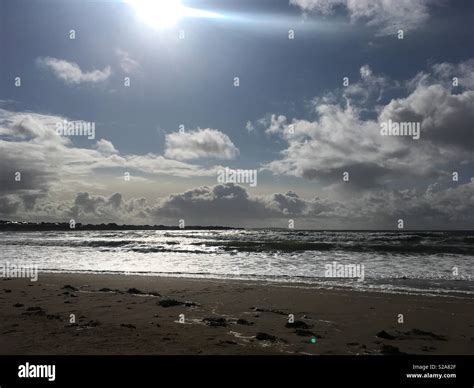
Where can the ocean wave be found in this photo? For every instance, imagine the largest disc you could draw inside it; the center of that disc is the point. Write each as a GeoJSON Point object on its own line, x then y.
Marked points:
{"type": "Point", "coordinates": [405, 246]}
{"type": "Point", "coordinates": [293, 246]}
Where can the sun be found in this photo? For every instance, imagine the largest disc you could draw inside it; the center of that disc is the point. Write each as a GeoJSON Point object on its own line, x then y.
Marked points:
{"type": "Point", "coordinates": [158, 13]}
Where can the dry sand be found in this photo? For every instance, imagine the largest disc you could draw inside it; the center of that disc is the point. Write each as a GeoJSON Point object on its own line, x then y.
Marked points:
{"type": "Point", "coordinates": [224, 317]}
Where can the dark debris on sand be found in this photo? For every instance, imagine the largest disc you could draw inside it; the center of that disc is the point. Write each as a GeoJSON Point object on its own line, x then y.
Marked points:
{"type": "Point", "coordinates": [69, 287]}
{"type": "Point", "coordinates": [306, 333]}
{"type": "Point", "coordinates": [215, 322]}
{"type": "Point", "coordinates": [174, 302]}
{"type": "Point", "coordinates": [128, 325]}
{"type": "Point", "coordinates": [383, 334]}
{"type": "Point", "coordinates": [106, 289]}
{"type": "Point", "coordinates": [411, 334]}
{"type": "Point", "coordinates": [134, 291]}
{"type": "Point", "coordinates": [297, 325]}
{"type": "Point", "coordinates": [421, 333]}
{"type": "Point", "coordinates": [223, 343]}
{"type": "Point", "coordinates": [266, 337]}
{"type": "Point", "coordinates": [274, 311]}
{"type": "Point", "coordinates": [242, 321]}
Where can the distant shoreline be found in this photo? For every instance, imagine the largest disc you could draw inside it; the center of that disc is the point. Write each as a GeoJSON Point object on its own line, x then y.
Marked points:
{"type": "Point", "coordinates": [64, 226]}
{"type": "Point", "coordinates": [9, 226]}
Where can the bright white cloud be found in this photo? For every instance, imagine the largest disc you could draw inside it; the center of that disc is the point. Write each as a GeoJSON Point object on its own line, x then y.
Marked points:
{"type": "Point", "coordinates": [105, 147]}
{"type": "Point", "coordinates": [200, 144]}
{"type": "Point", "coordinates": [71, 73]}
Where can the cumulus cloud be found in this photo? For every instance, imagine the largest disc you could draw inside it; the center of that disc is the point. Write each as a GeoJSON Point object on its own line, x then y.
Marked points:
{"type": "Point", "coordinates": [206, 202]}
{"type": "Point", "coordinates": [199, 144]}
{"type": "Point", "coordinates": [446, 118]}
{"type": "Point", "coordinates": [275, 124]}
{"type": "Point", "coordinates": [463, 71]}
{"type": "Point", "coordinates": [105, 147]}
{"type": "Point", "coordinates": [98, 206]}
{"type": "Point", "coordinates": [71, 73]}
{"type": "Point", "coordinates": [343, 138]}
{"type": "Point", "coordinates": [388, 16]}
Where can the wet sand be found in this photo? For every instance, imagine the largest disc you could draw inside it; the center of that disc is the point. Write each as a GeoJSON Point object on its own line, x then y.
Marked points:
{"type": "Point", "coordinates": [119, 314]}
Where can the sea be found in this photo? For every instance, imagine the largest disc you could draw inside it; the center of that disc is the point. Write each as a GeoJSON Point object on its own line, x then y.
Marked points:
{"type": "Point", "coordinates": [432, 262]}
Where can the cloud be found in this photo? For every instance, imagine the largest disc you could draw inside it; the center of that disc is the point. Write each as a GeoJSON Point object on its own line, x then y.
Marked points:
{"type": "Point", "coordinates": [345, 136]}
{"type": "Point", "coordinates": [435, 206]}
{"type": "Point", "coordinates": [38, 164]}
{"type": "Point", "coordinates": [464, 71]}
{"type": "Point", "coordinates": [9, 205]}
{"type": "Point", "coordinates": [230, 204]}
{"type": "Point", "coordinates": [370, 89]}
{"type": "Point", "coordinates": [229, 201]}
{"type": "Point", "coordinates": [71, 73]}
{"type": "Point", "coordinates": [249, 126]}
{"type": "Point", "coordinates": [26, 137]}
{"type": "Point", "coordinates": [98, 206]}
{"type": "Point", "coordinates": [446, 111]}
{"type": "Point", "coordinates": [126, 62]}
{"type": "Point", "coordinates": [276, 124]}
{"type": "Point", "coordinates": [388, 16]}
{"type": "Point", "coordinates": [105, 147]}
{"type": "Point", "coordinates": [338, 141]}
{"type": "Point", "coordinates": [199, 144]}
{"type": "Point", "coordinates": [446, 119]}
{"type": "Point", "coordinates": [210, 202]}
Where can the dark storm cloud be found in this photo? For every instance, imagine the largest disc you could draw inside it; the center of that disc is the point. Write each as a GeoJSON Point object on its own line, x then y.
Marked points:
{"type": "Point", "coordinates": [212, 202]}
{"type": "Point", "coordinates": [8, 205]}
{"type": "Point", "coordinates": [97, 206]}
{"type": "Point", "coordinates": [233, 205]}
{"type": "Point", "coordinates": [435, 206]}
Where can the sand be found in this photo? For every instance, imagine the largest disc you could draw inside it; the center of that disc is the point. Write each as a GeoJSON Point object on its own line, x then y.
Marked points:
{"type": "Point", "coordinates": [120, 314]}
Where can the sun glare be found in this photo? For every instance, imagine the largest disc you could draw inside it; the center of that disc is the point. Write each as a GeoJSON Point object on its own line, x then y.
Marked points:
{"type": "Point", "coordinates": [158, 13]}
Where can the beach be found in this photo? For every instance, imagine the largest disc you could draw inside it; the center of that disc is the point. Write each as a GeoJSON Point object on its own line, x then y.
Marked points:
{"type": "Point", "coordinates": [99, 314]}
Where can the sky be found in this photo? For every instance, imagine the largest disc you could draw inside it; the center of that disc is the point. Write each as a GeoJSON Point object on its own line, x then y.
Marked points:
{"type": "Point", "coordinates": [293, 93]}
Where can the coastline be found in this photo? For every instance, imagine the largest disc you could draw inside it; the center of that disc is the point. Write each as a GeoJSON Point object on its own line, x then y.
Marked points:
{"type": "Point", "coordinates": [130, 314]}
